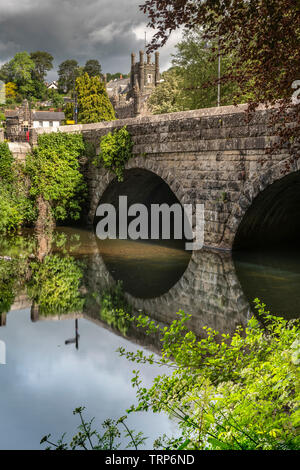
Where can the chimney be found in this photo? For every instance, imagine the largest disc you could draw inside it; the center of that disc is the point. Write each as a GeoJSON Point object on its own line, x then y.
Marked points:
{"type": "Point", "coordinates": [141, 71]}
{"type": "Point", "coordinates": [132, 70]}
{"type": "Point", "coordinates": [157, 73]}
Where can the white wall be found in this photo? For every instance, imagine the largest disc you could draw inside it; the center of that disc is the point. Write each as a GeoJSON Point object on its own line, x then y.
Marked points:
{"type": "Point", "coordinates": [45, 124]}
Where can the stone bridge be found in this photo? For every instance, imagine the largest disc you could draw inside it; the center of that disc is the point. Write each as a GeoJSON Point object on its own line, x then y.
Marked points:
{"type": "Point", "coordinates": [209, 156]}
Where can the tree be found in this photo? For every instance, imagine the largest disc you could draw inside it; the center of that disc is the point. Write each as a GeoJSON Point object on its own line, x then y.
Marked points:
{"type": "Point", "coordinates": [69, 111]}
{"type": "Point", "coordinates": [263, 39]}
{"type": "Point", "coordinates": [42, 64]}
{"type": "Point", "coordinates": [68, 71]}
{"type": "Point", "coordinates": [92, 68]}
{"type": "Point", "coordinates": [93, 102]}
{"type": "Point", "coordinates": [168, 95]}
{"type": "Point", "coordinates": [55, 98]}
{"type": "Point", "coordinates": [21, 67]}
{"type": "Point", "coordinates": [10, 90]}
{"type": "Point", "coordinates": [192, 81]}
{"type": "Point", "coordinates": [5, 72]}
{"type": "Point", "coordinates": [117, 75]}
{"type": "Point", "coordinates": [196, 60]}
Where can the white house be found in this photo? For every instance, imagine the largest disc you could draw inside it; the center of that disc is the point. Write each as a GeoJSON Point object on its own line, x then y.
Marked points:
{"type": "Point", "coordinates": [47, 118]}
{"type": "Point", "coordinates": [52, 86]}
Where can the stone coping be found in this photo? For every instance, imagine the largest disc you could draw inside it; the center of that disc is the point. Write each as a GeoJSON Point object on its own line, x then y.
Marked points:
{"type": "Point", "coordinates": [151, 119]}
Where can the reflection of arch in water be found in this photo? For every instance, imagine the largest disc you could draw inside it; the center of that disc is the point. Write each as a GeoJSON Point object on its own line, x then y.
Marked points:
{"type": "Point", "coordinates": [209, 290]}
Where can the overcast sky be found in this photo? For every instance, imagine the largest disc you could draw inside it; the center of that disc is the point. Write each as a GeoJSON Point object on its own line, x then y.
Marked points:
{"type": "Point", "coordinates": [107, 30]}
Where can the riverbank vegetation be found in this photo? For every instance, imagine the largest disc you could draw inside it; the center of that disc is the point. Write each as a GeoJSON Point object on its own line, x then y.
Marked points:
{"type": "Point", "coordinates": [238, 392]}
{"type": "Point", "coordinates": [48, 188]}
{"type": "Point", "coordinates": [54, 171]}
{"type": "Point", "coordinates": [16, 208]}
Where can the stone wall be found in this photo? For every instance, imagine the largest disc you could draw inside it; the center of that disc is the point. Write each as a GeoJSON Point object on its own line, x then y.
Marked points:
{"type": "Point", "coordinates": [19, 150]}
{"type": "Point", "coordinates": [210, 156]}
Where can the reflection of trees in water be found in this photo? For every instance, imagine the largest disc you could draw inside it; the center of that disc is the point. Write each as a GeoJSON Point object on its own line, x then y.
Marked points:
{"type": "Point", "coordinates": [55, 285]}
{"type": "Point", "coordinates": [52, 281]}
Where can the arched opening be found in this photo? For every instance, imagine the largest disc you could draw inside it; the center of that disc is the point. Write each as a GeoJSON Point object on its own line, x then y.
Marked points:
{"type": "Point", "coordinates": [273, 218]}
{"type": "Point", "coordinates": [266, 247]}
{"type": "Point", "coordinates": [147, 267]}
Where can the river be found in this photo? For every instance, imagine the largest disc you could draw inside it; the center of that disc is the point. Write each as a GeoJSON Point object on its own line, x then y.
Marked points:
{"type": "Point", "coordinates": [45, 288]}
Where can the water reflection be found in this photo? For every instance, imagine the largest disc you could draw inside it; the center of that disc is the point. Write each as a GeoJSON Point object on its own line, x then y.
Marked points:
{"type": "Point", "coordinates": [77, 271]}
{"type": "Point", "coordinates": [273, 276]}
{"type": "Point", "coordinates": [83, 283]}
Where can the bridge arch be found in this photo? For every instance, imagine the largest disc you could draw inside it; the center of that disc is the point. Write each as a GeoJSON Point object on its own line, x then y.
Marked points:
{"type": "Point", "coordinates": [268, 209]}
{"type": "Point", "coordinates": [148, 175]}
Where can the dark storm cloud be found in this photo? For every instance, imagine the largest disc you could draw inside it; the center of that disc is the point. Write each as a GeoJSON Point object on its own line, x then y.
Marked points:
{"type": "Point", "coordinates": [77, 29]}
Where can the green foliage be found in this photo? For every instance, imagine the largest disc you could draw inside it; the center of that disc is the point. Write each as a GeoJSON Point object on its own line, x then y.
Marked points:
{"type": "Point", "coordinates": [55, 98]}
{"type": "Point", "coordinates": [92, 68]}
{"type": "Point", "coordinates": [68, 71]}
{"type": "Point", "coordinates": [191, 82]}
{"type": "Point", "coordinates": [90, 439]}
{"type": "Point", "coordinates": [168, 96]}
{"type": "Point", "coordinates": [113, 308]}
{"type": "Point", "coordinates": [54, 285]}
{"type": "Point", "coordinates": [43, 62]}
{"type": "Point", "coordinates": [6, 162]}
{"type": "Point", "coordinates": [93, 102]}
{"type": "Point", "coordinates": [69, 111]}
{"type": "Point", "coordinates": [7, 284]}
{"type": "Point", "coordinates": [116, 76]}
{"type": "Point", "coordinates": [21, 67]}
{"type": "Point", "coordinates": [240, 392]}
{"type": "Point", "coordinates": [197, 61]}
{"type": "Point", "coordinates": [15, 207]}
{"type": "Point", "coordinates": [54, 172]}
{"type": "Point", "coordinates": [115, 151]}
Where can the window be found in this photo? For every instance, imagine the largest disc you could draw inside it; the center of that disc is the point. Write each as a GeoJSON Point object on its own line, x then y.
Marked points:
{"type": "Point", "coordinates": [51, 123]}
{"type": "Point", "coordinates": [149, 78]}
{"type": "Point", "coordinates": [40, 123]}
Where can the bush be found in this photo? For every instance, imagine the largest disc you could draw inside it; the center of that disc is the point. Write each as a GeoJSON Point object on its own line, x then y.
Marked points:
{"type": "Point", "coordinates": [240, 392]}
{"type": "Point", "coordinates": [115, 151]}
{"type": "Point", "coordinates": [54, 171]}
{"type": "Point", "coordinates": [15, 207]}
{"type": "Point", "coordinates": [6, 162]}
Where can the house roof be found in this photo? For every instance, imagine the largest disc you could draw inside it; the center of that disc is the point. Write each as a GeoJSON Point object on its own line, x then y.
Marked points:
{"type": "Point", "coordinates": [48, 116]}
{"type": "Point", "coordinates": [118, 86]}
{"type": "Point", "coordinates": [11, 113]}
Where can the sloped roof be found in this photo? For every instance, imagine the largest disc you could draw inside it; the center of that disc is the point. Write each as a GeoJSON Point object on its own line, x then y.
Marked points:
{"type": "Point", "coordinates": [48, 116]}
{"type": "Point", "coordinates": [118, 86]}
{"type": "Point", "coordinates": [11, 113]}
